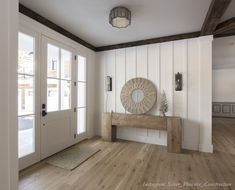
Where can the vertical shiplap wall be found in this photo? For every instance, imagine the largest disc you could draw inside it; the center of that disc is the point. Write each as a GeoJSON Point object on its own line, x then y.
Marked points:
{"type": "Point", "coordinates": [110, 70]}
{"type": "Point", "coordinates": [159, 63]}
{"type": "Point", "coordinates": [192, 123]}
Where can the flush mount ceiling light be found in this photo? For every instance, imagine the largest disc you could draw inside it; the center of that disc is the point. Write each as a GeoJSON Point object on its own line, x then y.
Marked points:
{"type": "Point", "coordinates": [120, 17]}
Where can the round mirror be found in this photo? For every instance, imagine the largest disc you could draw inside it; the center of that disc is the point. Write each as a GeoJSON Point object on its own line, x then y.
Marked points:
{"type": "Point", "coordinates": [137, 95]}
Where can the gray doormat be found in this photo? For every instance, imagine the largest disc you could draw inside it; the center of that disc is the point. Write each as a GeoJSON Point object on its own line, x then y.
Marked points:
{"type": "Point", "coordinates": [72, 157]}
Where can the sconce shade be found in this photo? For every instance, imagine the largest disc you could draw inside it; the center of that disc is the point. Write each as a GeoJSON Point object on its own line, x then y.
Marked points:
{"type": "Point", "coordinates": [108, 82]}
{"type": "Point", "coordinates": [178, 81]}
{"type": "Point", "coordinates": [120, 17]}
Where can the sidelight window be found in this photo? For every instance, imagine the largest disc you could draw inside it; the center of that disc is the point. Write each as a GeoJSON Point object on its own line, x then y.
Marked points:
{"type": "Point", "coordinates": [81, 94]}
{"type": "Point", "coordinates": [26, 95]}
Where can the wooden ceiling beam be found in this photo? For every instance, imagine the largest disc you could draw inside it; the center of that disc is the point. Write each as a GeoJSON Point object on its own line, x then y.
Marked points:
{"type": "Point", "coordinates": [28, 12]}
{"type": "Point", "coordinates": [150, 41]}
{"type": "Point", "coordinates": [225, 27]}
{"type": "Point", "coordinates": [214, 14]}
{"type": "Point", "coordinates": [227, 34]}
{"type": "Point", "coordinates": [216, 10]}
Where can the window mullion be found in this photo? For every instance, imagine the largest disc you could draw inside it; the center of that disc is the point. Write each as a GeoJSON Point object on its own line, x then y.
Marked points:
{"type": "Point", "coordinates": [53, 78]}
{"type": "Point", "coordinates": [26, 74]}
{"type": "Point", "coordinates": [60, 77]}
{"type": "Point", "coordinates": [26, 115]}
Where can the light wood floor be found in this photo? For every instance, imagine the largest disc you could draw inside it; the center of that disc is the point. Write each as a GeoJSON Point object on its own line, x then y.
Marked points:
{"type": "Point", "coordinates": [129, 165]}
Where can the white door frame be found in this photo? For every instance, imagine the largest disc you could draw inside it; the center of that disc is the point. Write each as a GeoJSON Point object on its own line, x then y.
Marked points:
{"type": "Point", "coordinates": [34, 157]}
{"type": "Point", "coordinates": [74, 138]}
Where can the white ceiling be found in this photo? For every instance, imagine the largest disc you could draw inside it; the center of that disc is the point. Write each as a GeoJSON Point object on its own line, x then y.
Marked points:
{"type": "Point", "coordinates": [88, 19]}
{"type": "Point", "coordinates": [230, 12]}
{"type": "Point", "coordinates": [223, 53]}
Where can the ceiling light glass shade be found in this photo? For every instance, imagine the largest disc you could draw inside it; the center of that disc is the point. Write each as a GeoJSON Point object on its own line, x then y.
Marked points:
{"type": "Point", "coordinates": [120, 17]}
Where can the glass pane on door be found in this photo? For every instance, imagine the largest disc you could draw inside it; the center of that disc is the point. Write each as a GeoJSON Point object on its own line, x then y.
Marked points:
{"type": "Point", "coordinates": [81, 120]}
{"type": "Point", "coordinates": [26, 54]}
{"type": "Point", "coordinates": [26, 95]}
{"type": "Point", "coordinates": [26, 138]}
{"type": "Point", "coordinates": [81, 95]}
{"type": "Point", "coordinates": [65, 94]}
{"type": "Point", "coordinates": [81, 68]}
{"type": "Point", "coordinates": [66, 61]}
{"type": "Point", "coordinates": [53, 61]}
{"type": "Point", "coordinates": [52, 95]}
{"type": "Point", "coordinates": [59, 63]}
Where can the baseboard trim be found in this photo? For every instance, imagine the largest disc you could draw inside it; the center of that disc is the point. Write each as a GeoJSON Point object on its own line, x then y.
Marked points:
{"type": "Point", "coordinates": [190, 145]}
{"type": "Point", "coordinates": [206, 148]}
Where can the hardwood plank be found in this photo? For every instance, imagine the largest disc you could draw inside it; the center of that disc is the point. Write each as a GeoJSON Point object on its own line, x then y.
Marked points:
{"type": "Point", "coordinates": [215, 12]}
{"type": "Point", "coordinates": [125, 165]}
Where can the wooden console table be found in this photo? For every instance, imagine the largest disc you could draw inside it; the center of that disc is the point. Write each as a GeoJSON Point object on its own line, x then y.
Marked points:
{"type": "Point", "coordinates": [171, 124]}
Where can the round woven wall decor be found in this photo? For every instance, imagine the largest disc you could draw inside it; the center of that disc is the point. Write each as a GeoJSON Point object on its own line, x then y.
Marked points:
{"type": "Point", "coordinates": [138, 95]}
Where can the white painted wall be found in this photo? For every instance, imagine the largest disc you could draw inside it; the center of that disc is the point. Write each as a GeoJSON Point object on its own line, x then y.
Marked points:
{"type": "Point", "coordinates": [8, 95]}
{"type": "Point", "coordinates": [223, 55]}
{"type": "Point", "coordinates": [159, 63]}
{"type": "Point", "coordinates": [223, 85]}
{"type": "Point", "coordinates": [223, 62]}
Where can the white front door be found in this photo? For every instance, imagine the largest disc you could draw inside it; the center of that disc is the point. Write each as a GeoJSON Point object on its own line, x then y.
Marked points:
{"type": "Point", "coordinates": [52, 90]}
{"type": "Point", "coordinates": [57, 97]}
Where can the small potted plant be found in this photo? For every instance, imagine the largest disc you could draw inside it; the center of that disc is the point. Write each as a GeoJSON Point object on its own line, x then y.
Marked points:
{"type": "Point", "coordinates": [164, 105]}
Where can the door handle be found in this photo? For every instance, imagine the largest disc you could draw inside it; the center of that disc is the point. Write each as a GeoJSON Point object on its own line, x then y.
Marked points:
{"type": "Point", "coordinates": [44, 113]}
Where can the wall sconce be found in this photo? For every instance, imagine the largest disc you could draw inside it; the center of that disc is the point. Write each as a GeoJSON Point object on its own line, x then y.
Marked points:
{"type": "Point", "coordinates": [108, 83]}
{"type": "Point", "coordinates": [178, 81]}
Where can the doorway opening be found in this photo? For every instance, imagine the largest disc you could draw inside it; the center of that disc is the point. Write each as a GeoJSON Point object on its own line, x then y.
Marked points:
{"type": "Point", "coordinates": [52, 90]}
{"type": "Point", "coordinates": [223, 95]}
